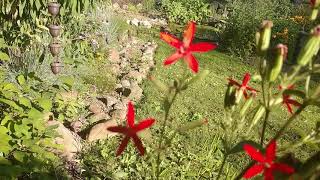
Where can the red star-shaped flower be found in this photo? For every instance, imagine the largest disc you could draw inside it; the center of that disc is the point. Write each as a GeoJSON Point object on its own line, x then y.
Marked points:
{"type": "Point", "coordinates": [131, 130]}
{"type": "Point", "coordinates": [244, 86]}
{"type": "Point", "coordinates": [288, 101]}
{"type": "Point", "coordinates": [185, 48]}
{"type": "Point", "coordinates": [265, 163]}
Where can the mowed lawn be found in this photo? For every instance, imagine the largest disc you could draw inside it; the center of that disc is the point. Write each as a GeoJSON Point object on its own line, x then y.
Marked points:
{"type": "Point", "coordinates": [204, 99]}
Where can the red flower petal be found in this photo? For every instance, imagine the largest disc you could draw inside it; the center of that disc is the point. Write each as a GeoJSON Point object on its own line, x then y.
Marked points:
{"type": "Point", "coordinates": [119, 129]}
{"type": "Point", "coordinates": [143, 124]}
{"type": "Point", "coordinates": [130, 115]}
{"type": "Point", "coordinates": [293, 102]}
{"type": "Point", "coordinates": [138, 144]}
{"type": "Point", "coordinates": [173, 58]}
{"type": "Point", "coordinates": [251, 89]}
{"type": "Point", "coordinates": [189, 34]}
{"type": "Point", "coordinates": [233, 82]}
{"type": "Point", "coordinates": [253, 170]}
{"type": "Point", "coordinates": [246, 79]}
{"type": "Point", "coordinates": [123, 145]}
{"type": "Point", "coordinates": [268, 174]}
{"type": "Point", "coordinates": [283, 168]}
{"type": "Point", "coordinates": [171, 40]}
{"type": "Point", "coordinates": [271, 151]}
{"type": "Point", "coordinates": [202, 47]}
{"type": "Point", "coordinates": [312, 2]}
{"type": "Point", "coordinates": [289, 108]}
{"type": "Point", "coordinates": [254, 153]}
{"type": "Point", "coordinates": [192, 62]}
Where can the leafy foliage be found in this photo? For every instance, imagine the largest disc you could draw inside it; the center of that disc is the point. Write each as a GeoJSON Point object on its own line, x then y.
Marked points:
{"type": "Point", "coordinates": [244, 20]}
{"type": "Point", "coordinates": [21, 20]}
{"type": "Point", "coordinates": [25, 139]}
{"type": "Point", "coordinates": [182, 11]}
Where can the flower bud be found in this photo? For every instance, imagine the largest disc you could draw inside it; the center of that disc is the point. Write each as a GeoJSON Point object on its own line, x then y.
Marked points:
{"type": "Point", "coordinates": [311, 47]}
{"type": "Point", "coordinates": [315, 3]}
{"type": "Point", "coordinates": [264, 36]}
{"type": "Point", "coordinates": [230, 97]}
{"type": "Point", "coordinates": [161, 86]}
{"type": "Point", "coordinates": [258, 115]}
{"type": "Point", "coordinates": [275, 65]}
{"type": "Point", "coordinates": [246, 106]}
{"type": "Point", "coordinates": [314, 14]}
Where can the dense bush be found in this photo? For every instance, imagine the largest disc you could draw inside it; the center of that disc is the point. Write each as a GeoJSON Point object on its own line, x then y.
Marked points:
{"type": "Point", "coordinates": [182, 11]}
{"type": "Point", "coordinates": [21, 20]}
{"type": "Point", "coordinates": [239, 35]}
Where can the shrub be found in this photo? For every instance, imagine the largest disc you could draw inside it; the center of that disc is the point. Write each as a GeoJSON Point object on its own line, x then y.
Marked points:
{"type": "Point", "coordinates": [182, 11]}
{"type": "Point", "coordinates": [22, 19]}
{"type": "Point", "coordinates": [239, 35]}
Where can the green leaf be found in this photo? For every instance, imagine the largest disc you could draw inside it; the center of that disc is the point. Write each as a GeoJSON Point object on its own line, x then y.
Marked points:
{"type": "Point", "coordinates": [25, 101]}
{"type": "Point", "coordinates": [239, 147]}
{"type": "Point", "coordinates": [4, 161]}
{"type": "Point", "coordinates": [20, 156]}
{"type": "Point", "coordinates": [191, 125]}
{"type": "Point", "coordinates": [67, 80]}
{"type": "Point", "coordinates": [10, 87]}
{"type": "Point", "coordinates": [2, 43]}
{"type": "Point", "coordinates": [12, 104]}
{"type": "Point", "coordinates": [38, 4]}
{"type": "Point", "coordinates": [4, 56]}
{"type": "Point", "coordinates": [45, 103]}
{"type": "Point", "coordinates": [21, 80]}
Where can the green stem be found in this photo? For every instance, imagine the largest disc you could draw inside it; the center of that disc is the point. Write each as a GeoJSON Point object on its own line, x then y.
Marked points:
{"type": "Point", "coordinates": [221, 167]}
{"type": "Point", "coordinates": [308, 80]}
{"type": "Point", "coordinates": [163, 128]}
{"type": "Point", "coordinates": [264, 126]}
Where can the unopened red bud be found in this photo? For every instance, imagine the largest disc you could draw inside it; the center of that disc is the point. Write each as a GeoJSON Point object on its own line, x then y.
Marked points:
{"type": "Point", "coordinates": [264, 36]}
{"type": "Point", "coordinates": [311, 47]}
{"type": "Point", "coordinates": [230, 97]}
{"type": "Point", "coordinates": [276, 64]}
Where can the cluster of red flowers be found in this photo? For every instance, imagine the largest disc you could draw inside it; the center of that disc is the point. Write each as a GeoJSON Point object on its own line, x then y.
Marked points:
{"type": "Point", "coordinates": [185, 50]}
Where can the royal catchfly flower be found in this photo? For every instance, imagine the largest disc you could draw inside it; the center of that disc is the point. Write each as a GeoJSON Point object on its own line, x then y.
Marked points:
{"type": "Point", "coordinates": [244, 86]}
{"type": "Point", "coordinates": [185, 48]}
{"type": "Point", "coordinates": [265, 163]}
{"type": "Point", "coordinates": [288, 101]}
{"type": "Point", "coordinates": [131, 130]}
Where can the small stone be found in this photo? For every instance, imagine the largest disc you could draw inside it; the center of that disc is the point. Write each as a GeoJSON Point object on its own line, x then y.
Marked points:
{"type": "Point", "coordinates": [136, 93]}
{"type": "Point", "coordinates": [136, 75]}
{"type": "Point", "coordinates": [115, 69]}
{"type": "Point", "coordinates": [76, 126]}
{"type": "Point", "coordinates": [71, 141]}
{"type": "Point", "coordinates": [116, 6]}
{"type": "Point", "coordinates": [95, 107]}
{"type": "Point", "coordinates": [99, 117]}
{"type": "Point", "coordinates": [135, 22]}
{"type": "Point", "coordinates": [114, 56]}
{"type": "Point", "coordinates": [111, 101]}
{"type": "Point", "coordinates": [100, 131]}
{"type": "Point", "coordinates": [119, 114]}
{"type": "Point", "coordinates": [147, 24]}
{"type": "Point", "coordinates": [125, 7]}
{"type": "Point", "coordinates": [125, 83]}
{"type": "Point", "coordinates": [119, 105]}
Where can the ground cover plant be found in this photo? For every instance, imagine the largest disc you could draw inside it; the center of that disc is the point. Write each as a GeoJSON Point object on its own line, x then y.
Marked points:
{"type": "Point", "coordinates": [204, 114]}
